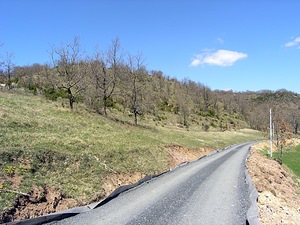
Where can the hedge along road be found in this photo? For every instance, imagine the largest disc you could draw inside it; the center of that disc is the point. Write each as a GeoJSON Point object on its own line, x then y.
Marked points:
{"type": "Point", "coordinates": [207, 191]}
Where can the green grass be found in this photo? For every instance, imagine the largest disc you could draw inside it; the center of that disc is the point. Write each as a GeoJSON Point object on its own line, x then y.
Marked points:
{"type": "Point", "coordinates": [68, 150]}
{"type": "Point", "coordinates": [291, 159]}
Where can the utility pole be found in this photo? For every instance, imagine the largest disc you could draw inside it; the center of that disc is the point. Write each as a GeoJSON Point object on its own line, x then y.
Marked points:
{"type": "Point", "coordinates": [271, 133]}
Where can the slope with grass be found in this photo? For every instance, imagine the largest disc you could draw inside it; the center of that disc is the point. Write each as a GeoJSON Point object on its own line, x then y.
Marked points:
{"type": "Point", "coordinates": [43, 143]}
{"type": "Point", "coordinates": [278, 187]}
{"type": "Point", "coordinates": [290, 154]}
{"type": "Point", "coordinates": [292, 159]}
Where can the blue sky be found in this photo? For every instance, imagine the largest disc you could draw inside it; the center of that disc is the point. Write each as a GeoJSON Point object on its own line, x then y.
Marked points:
{"type": "Point", "coordinates": [225, 44]}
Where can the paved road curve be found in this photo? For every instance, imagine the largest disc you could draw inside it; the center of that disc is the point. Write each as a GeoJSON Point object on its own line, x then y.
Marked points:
{"type": "Point", "coordinates": [208, 191]}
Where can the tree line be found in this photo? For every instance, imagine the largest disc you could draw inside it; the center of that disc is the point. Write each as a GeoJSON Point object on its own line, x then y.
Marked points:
{"type": "Point", "coordinates": [113, 78]}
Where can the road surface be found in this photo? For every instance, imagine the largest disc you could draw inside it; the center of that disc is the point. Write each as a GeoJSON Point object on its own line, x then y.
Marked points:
{"type": "Point", "coordinates": [208, 191]}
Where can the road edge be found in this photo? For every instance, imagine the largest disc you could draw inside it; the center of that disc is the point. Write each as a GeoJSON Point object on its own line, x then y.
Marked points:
{"type": "Point", "coordinates": [251, 217]}
{"type": "Point", "coordinates": [253, 212]}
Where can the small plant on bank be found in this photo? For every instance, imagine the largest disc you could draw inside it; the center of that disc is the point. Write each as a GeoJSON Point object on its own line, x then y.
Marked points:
{"type": "Point", "coordinates": [10, 171]}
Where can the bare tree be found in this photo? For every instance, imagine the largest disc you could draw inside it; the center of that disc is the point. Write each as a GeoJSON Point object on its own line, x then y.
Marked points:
{"type": "Point", "coordinates": [105, 70]}
{"type": "Point", "coordinates": [206, 95]}
{"type": "Point", "coordinates": [157, 101]}
{"type": "Point", "coordinates": [71, 69]}
{"type": "Point", "coordinates": [294, 118]}
{"type": "Point", "coordinates": [184, 101]}
{"type": "Point", "coordinates": [8, 67]}
{"type": "Point", "coordinates": [137, 77]}
{"type": "Point", "coordinates": [282, 135]}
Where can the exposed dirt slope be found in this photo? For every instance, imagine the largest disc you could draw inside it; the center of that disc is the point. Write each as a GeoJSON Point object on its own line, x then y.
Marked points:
{"type": "Point", "coordinates": [278, 201]}
{"type": "Point", "coordinates": [45, 200]}
{"type": "Point", "coordinates": [178, 154]}
{"type": "Point", "coordinates": [40, 201]}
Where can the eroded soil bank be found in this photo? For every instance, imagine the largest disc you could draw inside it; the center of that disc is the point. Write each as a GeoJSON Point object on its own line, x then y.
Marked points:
{"type": "Point", "coordinates": [46, 199]}
{"type": "Point", "coordinates": [279, 199]}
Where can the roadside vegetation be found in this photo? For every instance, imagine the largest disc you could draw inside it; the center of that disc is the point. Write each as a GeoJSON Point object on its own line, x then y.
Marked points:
{"type": "Point", "coordinates": [278, 185]}
{"type": "Point", "coordinates": [287, 155]}
{"type": "Point", "coordinates": [73, 123]}
{"type": "Point", "coordinates": [292, 159]}
{"type": "Point", "coordinates": [43, 142]}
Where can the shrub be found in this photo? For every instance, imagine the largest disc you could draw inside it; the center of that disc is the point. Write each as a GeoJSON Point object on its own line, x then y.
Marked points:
{"type": "Point", "coordinates": [33, 88]}
{"type": "Point", "coordinates": [53, 94]}
{"type": "Point", "coordinates": [10, 171]}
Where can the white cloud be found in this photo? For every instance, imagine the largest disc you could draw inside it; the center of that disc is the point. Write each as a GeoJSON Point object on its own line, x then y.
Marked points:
{"type": "Point", "coordinates": [195, 62]}
{"type": "Point", "coordinates": [295, 42]}
{"type": "Point", "coordinates": [218, 58]}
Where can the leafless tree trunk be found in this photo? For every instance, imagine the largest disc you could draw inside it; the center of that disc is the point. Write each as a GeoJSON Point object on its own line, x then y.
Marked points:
{"type": "Point", "coordinates": [294, 120]}
{"type": "Point", "coordinates": [282, 135]}
{"type": "Point", "coordinates": [184, 101]}
{"type": "Point", "coordinates": [206, 94]}
{"type": "Point", "coordinates": [136, 75]}
{"type": "Point", "coordinates": [105, 71]}
{"type": "Point", "coordinates": [8, 66]}
{"type": "Point", "coordinates": [67, 60]}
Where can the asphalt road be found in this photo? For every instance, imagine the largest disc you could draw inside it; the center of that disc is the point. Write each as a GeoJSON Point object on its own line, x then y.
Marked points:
{"type": "Point", "coordinates": [208, 191]}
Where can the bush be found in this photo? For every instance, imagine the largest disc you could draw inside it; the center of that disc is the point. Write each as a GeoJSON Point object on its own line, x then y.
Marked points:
{"type": "Point", "coordinates": [110, 102]}
{"type": "Point", "coordinates": [206, 127]}
{"type": "Point", "coordinates": [33, 88]}
{"type": "Point", "coordinates": [212, 113]}
{"type": "Point", "coordinates": [53, 94]}
{"type": "Point", "coordinates": [160, 118]}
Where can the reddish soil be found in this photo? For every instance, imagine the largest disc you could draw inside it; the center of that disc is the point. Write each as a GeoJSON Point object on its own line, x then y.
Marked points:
{"type": "Point", "coordinates": [279, 199]}
{"type": "Point", "coordinates": [116, 180]}
{"type": "Point", "coordinates": [178, 154]}
{"type": "Point", "coordinates": [40, 201]}
{"type": "Point", "coordinates": [278, 202]}
{"type": "Point", "coordinates": [45, 200]}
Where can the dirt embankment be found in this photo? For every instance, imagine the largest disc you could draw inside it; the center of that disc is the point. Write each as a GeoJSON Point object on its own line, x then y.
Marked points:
{"type": "Point", "coordinates": [278, 201]}
{"type": "Point", "coordinates": [40, 201]}
{"type": "Point", "coordinates": [46, 199]}
{"type": "Point", "coordinates": [177, 155]}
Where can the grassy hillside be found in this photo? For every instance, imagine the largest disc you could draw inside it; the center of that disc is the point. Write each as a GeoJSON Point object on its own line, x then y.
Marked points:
{"type": "Point", "coordinates": [43, 142]}
{"type": "Point", "coordinates": [291, 159]}
{"type": "Point", "coordinates": [290, 156]}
